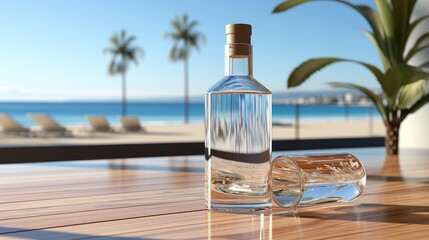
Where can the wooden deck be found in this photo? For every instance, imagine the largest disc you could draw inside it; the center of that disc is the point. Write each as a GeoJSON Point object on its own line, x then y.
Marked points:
{"type": "Point", "coordinates": [163, 198]}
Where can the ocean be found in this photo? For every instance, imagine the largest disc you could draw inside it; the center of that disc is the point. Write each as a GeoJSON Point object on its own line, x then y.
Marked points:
{"type": "Point", "coordinates": [73, 113]}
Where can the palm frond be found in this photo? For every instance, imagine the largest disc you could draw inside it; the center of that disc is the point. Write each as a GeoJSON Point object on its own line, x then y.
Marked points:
{"type": "Point", "coordinates": [113, 67]}
{"type": "Point", "coordinates": [415, 51]}
{"type": "Point", "coordinates": [192, 25]}
{"type": "Point", "coordinates": [373, 19]}
{"type": "Point", "coordinates": [138, 51]}
{"type": "Point", "coordinates": [402, 11]}
{"type": "Point", "coordinates": [115, 40]}
{"type": "Point", "coordinates": [130, 40]}
{"type": "Point", "coordinates": [411, 93]}
{"type": "Point", "coordinates": [122, 52]}
{"type": "Point", "coordinates": [369, 15]}
{"type": "Point", "coordinates": [386, 18]}
{"type": "Point", "coordinates": [416, 106]}
{"type": "Point", "coordinates": [308, 68]}
{"type": "Point", "coordinates": [174, 53]}
{"type": "Point", "coordinates": [396, 78]}
{"type": "Point", "coordinates": [185, 38]}
{"type": "Point", "coordinates": [384, 58]}
{"type": "Point", "coordinates": [387, 25]}
{"type": "Point", "coordinates": [365, 11]}
{"type": "Point", "coordinates": [131, 56]}
{"type": "Point", "coordinates": [422, 39]}
{"type": "Point", "coordinates": [286, 5]}
{"type": "Point", "coordinates": [201, 37]}
{"type": "Point", "coordinates": [417, 47]}
{"type": "Point", "coordinates": [414, 24]}
{"type": "Point", "coordinates": [176, 23]}
{"type": "Point", "coordinates": [192, 41]}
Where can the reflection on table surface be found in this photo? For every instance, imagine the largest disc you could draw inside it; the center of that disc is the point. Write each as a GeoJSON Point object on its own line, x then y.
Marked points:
{"type": "Point", "coordinates": [163, 198]}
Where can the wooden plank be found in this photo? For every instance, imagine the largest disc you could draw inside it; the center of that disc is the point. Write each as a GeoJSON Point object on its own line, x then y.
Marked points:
{"type": "Point", "coordinates": [95, 203]}
{"type": "Point", "coordinates": [103, 215]}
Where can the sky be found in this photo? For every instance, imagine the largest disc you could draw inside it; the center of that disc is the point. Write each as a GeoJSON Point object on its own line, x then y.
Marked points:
{"type": "Point", "coordinates": [53, 50]}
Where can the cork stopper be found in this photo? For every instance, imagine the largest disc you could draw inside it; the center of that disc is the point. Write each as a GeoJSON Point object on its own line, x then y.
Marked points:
{"type": "Point", "coordinates": [238, 40]}
{"type": "Point", "coordinates": [238, 33]}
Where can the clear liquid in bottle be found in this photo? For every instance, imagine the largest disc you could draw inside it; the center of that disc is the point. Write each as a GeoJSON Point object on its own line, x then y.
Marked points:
{"type": "Point", "coordinates": [238, 135]}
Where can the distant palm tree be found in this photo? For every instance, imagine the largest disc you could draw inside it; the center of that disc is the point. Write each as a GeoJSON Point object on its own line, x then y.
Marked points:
{"type": "Point", "coordinates": [185, 38]}
{"type": "Point", "coordinates": [123, 52]}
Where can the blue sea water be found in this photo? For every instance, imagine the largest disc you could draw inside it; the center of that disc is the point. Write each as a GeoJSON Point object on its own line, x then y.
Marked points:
{"type": "Point", "coordinates": [73, 113]}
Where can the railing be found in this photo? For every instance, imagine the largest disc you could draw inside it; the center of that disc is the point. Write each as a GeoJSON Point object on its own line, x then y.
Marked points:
{"type": "Point", "coordinates": [29, 153]}
{"type": "Point", "coordinates": [347, 117]}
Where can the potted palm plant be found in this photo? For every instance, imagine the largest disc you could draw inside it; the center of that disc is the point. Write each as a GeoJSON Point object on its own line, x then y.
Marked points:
{"type": "Point", "coordinates": [403, 85]}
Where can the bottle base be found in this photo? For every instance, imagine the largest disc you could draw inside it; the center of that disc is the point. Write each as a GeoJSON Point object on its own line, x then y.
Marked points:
{"type": "Point", "coordinates": [240, 208]}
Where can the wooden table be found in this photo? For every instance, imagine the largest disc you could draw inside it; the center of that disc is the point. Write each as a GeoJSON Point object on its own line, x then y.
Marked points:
{"type": "Point", "coordinates": [163, 198]}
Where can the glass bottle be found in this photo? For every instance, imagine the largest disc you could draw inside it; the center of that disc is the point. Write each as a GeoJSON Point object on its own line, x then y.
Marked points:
{"type": "Point", "coordinates": [238, 132]}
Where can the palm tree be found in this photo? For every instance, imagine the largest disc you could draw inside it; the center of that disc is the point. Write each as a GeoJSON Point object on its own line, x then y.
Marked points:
{"type": "Point", "coordinates": [185, 38]}
{"type": "Point", "coordinates": [123, 52]}
{"type": "Point", "coordinates": [403, 85]}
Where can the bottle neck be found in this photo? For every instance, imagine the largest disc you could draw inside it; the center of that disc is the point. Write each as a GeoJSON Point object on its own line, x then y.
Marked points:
{"type": "Point", "coordinates": [238, 60]}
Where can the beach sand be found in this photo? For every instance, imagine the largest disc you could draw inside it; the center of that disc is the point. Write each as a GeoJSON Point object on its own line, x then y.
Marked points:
{"type": "Point", "coordinates": [195, 133]}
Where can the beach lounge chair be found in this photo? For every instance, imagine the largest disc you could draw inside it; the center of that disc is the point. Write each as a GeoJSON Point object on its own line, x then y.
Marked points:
{"type": "Point", "coordinates": [48, 124]}
{"type": "Point", "coordinates": [99, 124]}
{"type": "Point", "coordinates": [131, 124]}
{"type": "Point", "coordinates": [10, 126]}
